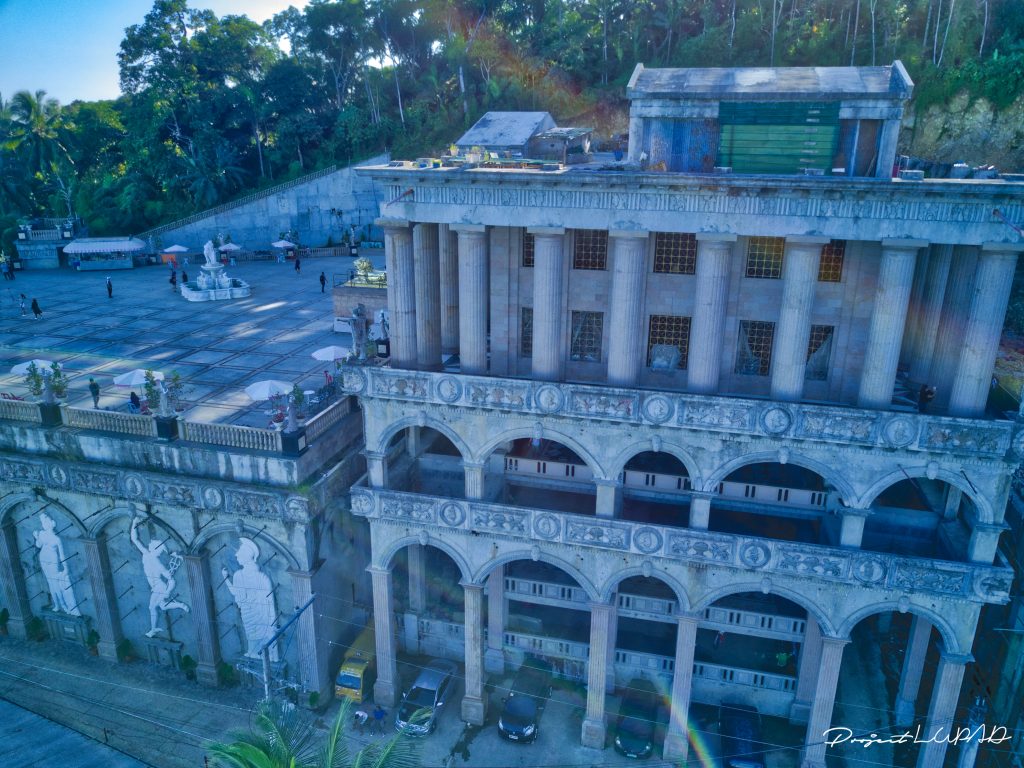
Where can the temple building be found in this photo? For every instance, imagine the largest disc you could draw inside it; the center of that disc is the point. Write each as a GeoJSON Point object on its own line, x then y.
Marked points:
{"type": "Point", "coordinates": [640, 412]}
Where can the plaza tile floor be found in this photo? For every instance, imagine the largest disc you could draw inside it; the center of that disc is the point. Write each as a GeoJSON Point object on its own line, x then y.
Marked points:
{"type": "Point", "coordinates": [218, 347]}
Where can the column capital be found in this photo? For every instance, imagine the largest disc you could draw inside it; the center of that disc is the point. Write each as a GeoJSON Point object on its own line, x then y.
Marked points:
{"type": "Point", "coordinates": [835, 641]}
{"type": "Point", "coordinates": [373, 454]}
{"type": "Point", "coordinates": [854, 512]}
{"type": "Point", "coordinates": [607, 482]}
{"type": "Point", "coordinates": [400, 225]}
{"type": "Point", "coordinates": [470, 464]}
{"type": "Point", "coordinates": [704, 495]}
{"type": "Point", "coordinates": [904, 245]}
{"type": "Point", "coordinates": [468, 229]}
{"type": "Point", "coordinates": [599, 607]}
{"type": "Point", "coordinates": [545, 230]}
{"type": "Point", "coordinates": [376, 570]}
{"type": "Point", "coordinates": [471, 585]}
{"type": "Point", "coordinates": [689, 617]}
{"type": "Point", "coordinates": [960, 659]}
{"type": "Point", "coordinates": [626, 234]}
{"type": "Point", "coordinates": [1008, 248]}
{"type": "Point", "coordinates": [715, 237]}
{"type": "Point", "coordinates": [807, 240]}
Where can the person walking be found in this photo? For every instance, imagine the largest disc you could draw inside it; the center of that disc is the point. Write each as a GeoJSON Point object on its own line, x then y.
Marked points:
{"type": "Point", "coordinates": [379, 713]}
{"type": "Point", "coordinates": [174, 282]}
{"type": "Point", "coordinates": [36, 311]}
{"type": "Point", "coordinates": [94, 390]}
{"type": "Point", "coordinates": [22, 301]}
{"type": "Point", "coordinates": [110, 289]}
{"type": "Point", "coordinates": [6, 267]}
{"type": "Point", "coordinates": [323, 282]}
{"type": "Point", "coordinates": [298, 265]}
{"type": "Point", "coordinates": [184, 277]}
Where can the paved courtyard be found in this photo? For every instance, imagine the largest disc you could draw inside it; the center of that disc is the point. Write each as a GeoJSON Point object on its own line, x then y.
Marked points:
{"type": "Point", "coordinates": [219, 347]}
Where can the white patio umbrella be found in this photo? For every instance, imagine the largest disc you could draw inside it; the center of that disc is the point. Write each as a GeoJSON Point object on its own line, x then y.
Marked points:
{"type": "Point", "coordinates": [135, 378]}
{"type": "Point", "coordinates": [331, 353]}
{"type": "Point", "coordinates": [282, 244]}
{"type": "Point", "coordinates": [175, 249]}
{"type": "Point", "coordinates": [230, 247]}
{"type": "Point", "coordinates": [22, 368]}
{"type": "Point", "coordinates": [264, 390]}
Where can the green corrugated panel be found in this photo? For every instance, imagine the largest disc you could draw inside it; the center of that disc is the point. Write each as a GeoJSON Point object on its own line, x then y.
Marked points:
{"type": "Point", "coordinates": [777, 138]}
{"type": "Point", "coordinates": [780, 113]}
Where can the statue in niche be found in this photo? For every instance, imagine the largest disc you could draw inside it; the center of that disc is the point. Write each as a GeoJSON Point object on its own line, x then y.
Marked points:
{"type": "Point", "coordinates": [254, 596]}
{"type": "Point", "coordinates": [360, 327]}
{"type": "Point", "coordinates": [53, 564]}
{"type": "Point", "coordinates": [211, 254]}
{"type": "Point", "coordinates": [160, 578]}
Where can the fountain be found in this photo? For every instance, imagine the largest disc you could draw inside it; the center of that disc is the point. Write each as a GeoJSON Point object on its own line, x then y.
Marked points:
{"type": "Point", "coordinates": [213, 284]}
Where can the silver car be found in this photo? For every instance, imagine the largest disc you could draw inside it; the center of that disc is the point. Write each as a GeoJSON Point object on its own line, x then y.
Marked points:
{"type": "Point", "coordinates": [421, 705]}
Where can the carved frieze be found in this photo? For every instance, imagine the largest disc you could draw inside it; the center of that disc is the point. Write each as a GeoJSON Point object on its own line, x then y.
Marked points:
{"type": "Point", "coordinates": [597, 534]}
{"type": "Point", "coordinates": [93, 481]}
{"type": "Point", "coordinates": [501, 520]}
{"type": "Point", "coordinates": [408, 509]}
{"type": "Point", "coordinates": [593, 403]}
{"type": "Point", "coordinates": [406, 387]}
{"type": "Point", "coordinates": [178, 494]}
{"type": "Point", "coordinates": [969, 438]}
{"type": "Point", "coordinates": [362, 502]}
{"type": "Point", "coordinates": [700, 548]}
{"type": "Point", "coordinates": [21, 471]}
{"type": "Point", "coordinates": [717, 416]}
{"type": "Point", "coordinates": [930, 579]}
{"type": "Point", "coordinates": [249, 504]}
{"type": "Point", "coordinates": [829, 425]}
{"type": "Point", "coordinates": [805, 560]}
{"type": "Point", "coordinates": [504, 396]}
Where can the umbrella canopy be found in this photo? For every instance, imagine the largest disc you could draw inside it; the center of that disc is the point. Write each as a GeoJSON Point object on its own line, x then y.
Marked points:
{"type": "Point", "coordinates": [331, 353]}
{"type": "Point", "coordinates": [175, 249]}
{"type": "Point", "coordinates": [104, 245]}
{"type": "Point", "coordinates": [230, 247]}
{"type": "Point", "coordinates": [135, 378]}
{"type": "Point", "coordinates": [264, 390]}
{"type": "Point", "coordinates": [22, 368]}
{"type": "Point", "coordinates": [282, 244]}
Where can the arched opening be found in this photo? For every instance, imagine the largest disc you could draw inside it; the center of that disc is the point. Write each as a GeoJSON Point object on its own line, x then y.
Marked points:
{"type": "Point", "coordinates": [920, 517]}
{"type": "Point", "coordinates": [655, 489]}
{"type": "Point", "coordinates": [423, 460]}
{"type": "Point", "coordinates": [647, 610]}
{"type": "Point", "coordinates": [429, 598]}
{"type": "Point", "coordinates": [775, 501]}
{"type": "Point", "coordinates": [540, 473]}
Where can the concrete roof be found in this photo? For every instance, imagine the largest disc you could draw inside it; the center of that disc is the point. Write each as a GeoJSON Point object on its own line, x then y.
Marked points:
{"type": "Point", "coordinates": [752, 83]}
{"type": "Point", "coordinates": [505, 129]}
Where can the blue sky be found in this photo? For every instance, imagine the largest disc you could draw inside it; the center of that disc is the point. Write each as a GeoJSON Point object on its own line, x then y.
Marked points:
{"type": "Point", "coordinates": [69, 47]}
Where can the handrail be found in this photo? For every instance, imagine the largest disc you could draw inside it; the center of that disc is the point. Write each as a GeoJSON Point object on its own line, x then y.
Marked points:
{"type": "Point", "coordinates": [327, 418]}
{"type": "Point", "coordinates": [20, 410]}
{"type": "Point", "coordinates": [110, 421]}
{"type": "Point", "coordinates": [231, 436]}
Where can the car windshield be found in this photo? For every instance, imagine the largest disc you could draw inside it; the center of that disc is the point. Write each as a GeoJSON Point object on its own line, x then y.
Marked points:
{"type": "Point", "coordinates": [519, 710]}
{"type": "Point", "coordinates": [636, 727]}
{"type": "Point", "coordinates": [346, 680]}
{"type": "Point", "coordinates": [407, 711]}
{"type": "Point", "coordinates": [421, 697]}
{"type": "Point", "coordinates": [530, 681]}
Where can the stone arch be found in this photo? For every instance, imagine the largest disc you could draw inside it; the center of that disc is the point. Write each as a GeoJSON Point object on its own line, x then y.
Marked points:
{"type": "Point", "coordinates": [834, 479]}
{"type": "Point", "coordinates": [9, 503]}
{"type": "Point", "coordinates": [644, 446]}
{"type": "Point", "coordinates": [628, 573]}
{"type": "Point", "coordinates": [386, 558]}
{"type": "Point", "coordinates": [12, 500]}
{"type": "Point", "coordinates": [260, 537]}
{"type": "Point", "coordinates": [417, 421]}
{"type": "Point", "coordinates": [824, 622]}
{"type": "Point", "coordinates": [548, 434]}
{"type": "Point", "coordinates": [949, 637]}
{"type": "Point", "coordinates": [981, 504]}
{"type": "Point", "coordinates": [112, 514]}
{"type": "Point", "coordinates": [482, 574]}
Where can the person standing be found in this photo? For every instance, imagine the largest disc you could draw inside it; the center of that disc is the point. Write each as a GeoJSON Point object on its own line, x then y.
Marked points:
{"type": "Point", "coordinates": [110, 289]}
{"type": "Point", "coordinates": [22, 301]}
{"type": "Point", "coordinates": [184, 277]}
{"type": "Point", "coordinates": [174, 281]}
{"type": "Point", "coordinates": [298, 264]}
{"type": "Point", "coordinates": [323, 282]}
{"type": "Point", "coordinates": [379, 713]}
{"type": "Point", "coordinates": [36, 311]}
{"type": "Point", "coordinates": [94, 390]}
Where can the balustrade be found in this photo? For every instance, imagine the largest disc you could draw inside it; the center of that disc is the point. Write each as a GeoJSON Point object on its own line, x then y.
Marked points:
{"type": "Point", "coordinates": [110, 421]}
{"type": "Point", "coordinates": [232, 436]}
{"type": "Point", "coordinates": [327, 418]}
{"type": "Point", "coordinates": [20, 410]}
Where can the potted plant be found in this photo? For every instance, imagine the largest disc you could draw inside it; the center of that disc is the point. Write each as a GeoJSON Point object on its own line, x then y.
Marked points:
{"type": "Point", "coordinates": [92, 642]}
{"type": "Point", "coordinates": [188, 666]}
{"type": "Point", "coordinates": [152, 389]}
{"type": "Point", "coordinates": [35, 629]}
{"type": "Point", "coordinates": [227, 675]}
{"type": "Point", "coordinates": [125, 651]}
{"type": "Point", "coordinates": [48, 385]}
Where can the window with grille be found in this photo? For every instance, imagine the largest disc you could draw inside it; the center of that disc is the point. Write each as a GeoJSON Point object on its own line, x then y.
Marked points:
{"type": "Point", "coordinates": [527, 249]}
{"type": "Point", "coordinates": [675, 253]}
{"type": "Point", "coordinates": [830, 268]}
{"type": "Point", "coordinates": [526, 332]}
{"type": "Point", "coordinates": [587, 330]}
{"type": "Point", "coordinates": [819, 352]}
{"type": "Point", "coordinates": [754, 347]}
{"type": "Point", "coordinates": [670, 330]}
{"type": "Point", "coordinates": [764, 257]}
{"type": "Point", "coordinates": [590, 249]}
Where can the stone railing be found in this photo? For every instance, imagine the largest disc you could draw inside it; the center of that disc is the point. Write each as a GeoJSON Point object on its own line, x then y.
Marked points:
{"type": "Point", "coordinates": [231, 436]}
{"type": "Point", "coordinates": [20, 410]}
{"type": "Point", "coordinates": [733, 415]}
{"type": "Point", "coordinates": [767, 680]}
{"type": "Point", "coordinates": [758, 624]}
{"type": "Point", "coordinates": [327, 418]}
{"type": "Point", "coordinates": [109, 421]}
{"type": "Point", "coordinates": [967, 581]}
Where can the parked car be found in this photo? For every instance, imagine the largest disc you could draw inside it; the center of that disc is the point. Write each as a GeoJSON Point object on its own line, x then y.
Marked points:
{"type": "Point", "coordinates": [421, 705]}
{"type": "Point", "coordinates": [739, 727]}
{"type": "Point", "coordinates": [638, 713]}
{"type": "Point", "coordinates": [531, 688]}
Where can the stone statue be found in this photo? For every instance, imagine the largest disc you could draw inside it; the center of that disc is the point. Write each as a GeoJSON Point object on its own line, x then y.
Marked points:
{"type": "Point", "coordinates": [160, 578]}
{"type": "Point", "coordinates": [360, 328]}
{"type": "Point", "coordinates": [254, 596]}
{"type": "Point", "coordinates": [211, 254]}
{"type": "Point", "coordinates": [54, 568]}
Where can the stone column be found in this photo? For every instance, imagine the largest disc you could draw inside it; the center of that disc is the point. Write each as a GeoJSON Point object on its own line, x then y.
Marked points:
{"type": "Point", "coordinates": [594, 728]}
{"type": "Point", "coordinates": [609, 497]}
{"type": "Point", "coordinates": [913, 667]}
{"type": "Point", "coordinates": [799, 278]}
{"type": "Point", "coordinates": [474, 703]}
{"type": "Point", "coordinates": [413, 444]}
{"type": "Point", "coordinates": [401, 292]}
{"type": "Point", "coordinates": [707, 329]}
{"type": "Point", "coordinates": [945, 695]}
{"type": "Point", "coordinates": [636, 139]}
{"type": "Point", "coordinates": [887, 139]}
{"type": "Point", "coordinates": [385, 690]}
{"type": "Point", "coordinates": [807, 672]}
{"type": "Point", "coordinates": [417, 568]}
{"type": "Point", "coordinates": [494, 657]}
{"type": "Point", "coordinates": [950, 334]}
{"type": "Point", "coordinates": [895, 276]}
{"type": "Point", "coordinates": [313, 649]}
{"type": "Point", "coordinates": [992, 283]}
{"type": "Point", "coordinates": [930, 311]}
{"type": "Point", "coordinates": [13, 580]}
{"type": "Point", "coordinates": [851, 531]}
{"type": "Point", "coordinates": [448, 256]}
{"type": "Point", "coordinates": [954, 497]}
{"type": "Point", "coordinates": [909, 346]}
{"type": "Point", "coordinates": [475, 473]}
{"type": "Point", "coordinates": [376, 469]}
{"type": "Point", "coordinates": [824, 700]}
{"type": "Point", "coordinates": [474, 291]}
{"type": "Point", "coordinates": [700, 509]}
{"type": "Point", "coordinates": [984, 542]}
{"type": "Point", "coordinates": [108, 619]}
{"type": "Point", "coordinates": [197, 571]}
{"type": "Point", "coordinates": [428, 296]}
{"type": "Point", "coordinates": [625, 344]}
{"type": "Point", "coordinates": [548, 313]}
{"type": "Point", "coordinates": [677, 745]}
{"type": "Point", "coordinates": [613, 639]}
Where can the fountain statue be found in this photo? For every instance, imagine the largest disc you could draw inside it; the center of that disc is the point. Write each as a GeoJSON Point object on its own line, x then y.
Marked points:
{"type": "Point", "coordinates": [213, 283]}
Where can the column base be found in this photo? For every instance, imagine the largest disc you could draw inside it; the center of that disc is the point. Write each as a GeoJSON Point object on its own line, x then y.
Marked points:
{"type": "Point", "coordinates": [494, 661]}
{"type": "Point", "coordinates": [474, 710]}
{"type": "Point", "coordinates": [903, 712]}
{"type": "Point", "coordinates": [594, 732]}
{"type": "Point", "coordinates": [800, 712]}
{"type": "Point", "coordinates": [206, 674]}
{"type": "Point", "coordinates": [17, 628]}
{"type": "Point", "coordinates": [384, 693]}
{"type": "Point", "coordinates": [411, 633]}
{"type": "Point", "coordinates": [812, 764]}
{"type": "Point", "coordinates": [676, 747]}
{"type": "Point", "coordinates": [107, 649]}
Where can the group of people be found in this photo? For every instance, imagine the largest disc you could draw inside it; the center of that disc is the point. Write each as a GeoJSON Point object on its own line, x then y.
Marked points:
{"type": "Point", "coordinates": [376, 720]}
{"type": "Point", "coordinates": [37, 313]}
{"type": "Point", "coordinates": [7, 267]}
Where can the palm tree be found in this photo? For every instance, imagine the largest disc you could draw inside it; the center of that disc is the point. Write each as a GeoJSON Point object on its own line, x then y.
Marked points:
{"type": "Point", "coordinates": [283, 737]}
{"type": "Point", "coordinates": [33, 130]}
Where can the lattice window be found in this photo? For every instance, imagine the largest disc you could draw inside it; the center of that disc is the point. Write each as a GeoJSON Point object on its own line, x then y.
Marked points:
{"type": "Point", "coordinates": [830, 268]}
{"type": "Point", "coordinates": [587, 332]}
{"type": "Point", "coordinates": [819, 352]}
{"type": "Point", "coordinates": [671, 330]}
{"type": "Point", "coordinates": [754, 347]}
{"type": "Point", "coordinates": [526, 332]}
{"type": "Point", "coordinates": [764, 257]}
{"type": "Point", "coordinates": [590, 249]}
{"type": "Point", "coordinates": [527, 249]}
{"type": "Point", "coordinates": [675, 253]}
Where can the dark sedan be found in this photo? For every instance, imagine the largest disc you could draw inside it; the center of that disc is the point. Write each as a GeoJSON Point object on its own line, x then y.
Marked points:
{"type": "Point", "coordinates": [634, 732]}
{"type": "Point", "coordinates": [530, 690]}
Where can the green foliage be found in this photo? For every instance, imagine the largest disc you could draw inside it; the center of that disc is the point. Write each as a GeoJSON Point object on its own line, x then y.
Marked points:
{"type": "Point", "coordinates": [125, 651]}
{"type": "Point", "coordinates": [92, 640]}
{"type": "Point", "coordinates": [189, 666]}
{"type": "Point", "coordinates": [5, 617]}
{"type": "Point", "coordinates": [152, 390]}
{"type": "Point", "coordinates": [35, 629]}
{"type": "Point", "coordinates": [227, 675]}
